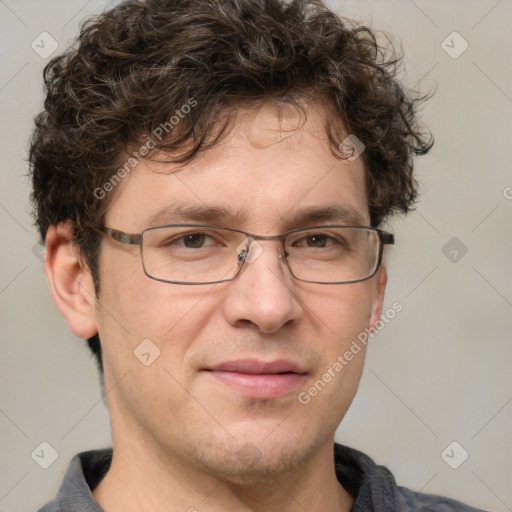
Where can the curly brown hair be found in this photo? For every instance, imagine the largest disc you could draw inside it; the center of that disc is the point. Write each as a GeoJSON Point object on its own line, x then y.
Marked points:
{"type": "Point", "coordinates": [133, 67]}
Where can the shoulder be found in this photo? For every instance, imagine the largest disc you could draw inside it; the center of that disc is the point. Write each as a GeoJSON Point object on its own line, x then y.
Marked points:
{"type": "Point", "coordinates": [83, 474]}
{"type": "Point", "coordinates": [375, 488]}
{"type": "Point", "coordinates": [417, 501]}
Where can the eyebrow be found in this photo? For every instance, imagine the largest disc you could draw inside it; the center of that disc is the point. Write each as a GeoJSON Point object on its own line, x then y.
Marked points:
{"type": "Point", "coordinates": [231, 217]}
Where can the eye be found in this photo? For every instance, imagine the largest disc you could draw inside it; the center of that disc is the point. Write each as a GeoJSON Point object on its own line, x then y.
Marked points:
{"type": "Point", "coordinates": [194, 240]}
{"type": "Point", "coordinates": [317, 240]}
{"type": "Point", "coordinates": [191, 241]}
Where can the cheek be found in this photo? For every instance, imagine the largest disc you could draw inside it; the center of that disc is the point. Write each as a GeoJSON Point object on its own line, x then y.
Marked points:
{"type": "Point", "coordinates": [145, 328]}
{"type": "Point", "coordinates": [133, 308]}
{"type": "Point", "coordinates": [344, 310]}
{"type": "Point", "coordinates": [344, 315]}
{"type": "Point", "coordinates": [339, 315]}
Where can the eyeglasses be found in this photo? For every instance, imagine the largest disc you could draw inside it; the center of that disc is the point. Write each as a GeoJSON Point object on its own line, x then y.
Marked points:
{"type": "Point", "coordinates": [205, 254]}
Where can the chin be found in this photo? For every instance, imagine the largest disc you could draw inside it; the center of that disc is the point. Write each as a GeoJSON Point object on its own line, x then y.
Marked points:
{"type": "Point", "coordinates": [252, 459]}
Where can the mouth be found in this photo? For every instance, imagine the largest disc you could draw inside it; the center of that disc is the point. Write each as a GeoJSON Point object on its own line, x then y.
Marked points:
{"type": "Point", "coordinates": [259, 379]}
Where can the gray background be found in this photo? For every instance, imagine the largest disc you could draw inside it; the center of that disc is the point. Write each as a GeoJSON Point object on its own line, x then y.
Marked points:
{"type": "Point", "coordinates": [438, 373]}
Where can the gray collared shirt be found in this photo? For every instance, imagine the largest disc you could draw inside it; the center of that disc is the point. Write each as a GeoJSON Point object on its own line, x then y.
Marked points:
{"type": "Point", "coordinates": [373, 486]}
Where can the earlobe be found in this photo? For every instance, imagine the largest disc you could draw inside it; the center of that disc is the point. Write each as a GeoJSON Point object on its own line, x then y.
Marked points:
{"type": "Point", "coordinates": [376, 312]}
{"type": "Point", "coordinates": [70, 281]}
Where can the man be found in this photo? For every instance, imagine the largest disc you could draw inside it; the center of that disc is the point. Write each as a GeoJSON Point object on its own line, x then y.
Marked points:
{"type": "Point", "coordinates": [209, 179]}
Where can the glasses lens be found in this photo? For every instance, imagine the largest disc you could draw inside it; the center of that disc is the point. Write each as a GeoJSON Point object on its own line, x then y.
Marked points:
{"type": "Point", "coordinates": [196, 254]}
{"type": "Point", "coordinates": [332, 255]}
{"type": "Point", "coordinates": [191, 253]}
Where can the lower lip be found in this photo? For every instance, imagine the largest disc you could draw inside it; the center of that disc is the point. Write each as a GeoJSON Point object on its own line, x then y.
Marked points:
{"type": "Point", "coordinates": [262, 386]}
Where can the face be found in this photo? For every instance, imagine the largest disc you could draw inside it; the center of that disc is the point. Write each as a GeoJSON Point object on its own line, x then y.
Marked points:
{"type": "Point", "coordinates": [213, 398]}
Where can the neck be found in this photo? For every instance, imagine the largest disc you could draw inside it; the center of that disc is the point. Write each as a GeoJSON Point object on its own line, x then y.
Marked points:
{"type": "Point", "coordinates": [144, 480]}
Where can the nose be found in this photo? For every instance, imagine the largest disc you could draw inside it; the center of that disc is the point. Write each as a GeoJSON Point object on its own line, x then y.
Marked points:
{"type": "Point", "coordinates": [262, 293]}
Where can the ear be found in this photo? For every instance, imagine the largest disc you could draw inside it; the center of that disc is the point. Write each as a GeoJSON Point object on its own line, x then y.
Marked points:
{"type": "Point", "coordinates": [70, 281]}
{"type": "Point", "coordinates": [380, 282]}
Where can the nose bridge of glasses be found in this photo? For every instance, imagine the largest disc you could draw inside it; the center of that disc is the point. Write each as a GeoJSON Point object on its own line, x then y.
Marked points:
{"type": "Point", "coordinates": [253, 246]}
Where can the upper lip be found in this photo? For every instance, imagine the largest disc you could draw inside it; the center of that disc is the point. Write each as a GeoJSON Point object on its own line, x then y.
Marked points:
{"type": "Point", "coordinates": [256, 367]}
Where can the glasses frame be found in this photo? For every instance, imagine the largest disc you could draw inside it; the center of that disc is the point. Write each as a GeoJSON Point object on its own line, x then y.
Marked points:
{"type": "Point", "coordinates": [384, 237]}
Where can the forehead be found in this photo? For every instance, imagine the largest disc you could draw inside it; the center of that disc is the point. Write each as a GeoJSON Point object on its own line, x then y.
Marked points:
{"type": "Point", "coordinates": [275, 170]}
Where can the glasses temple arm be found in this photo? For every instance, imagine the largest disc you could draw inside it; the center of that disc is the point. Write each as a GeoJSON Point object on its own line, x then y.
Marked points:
{"type": "Point", "coordinates": [121, 236]}
{"type": "Point", "coordinates": [387, 238]}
